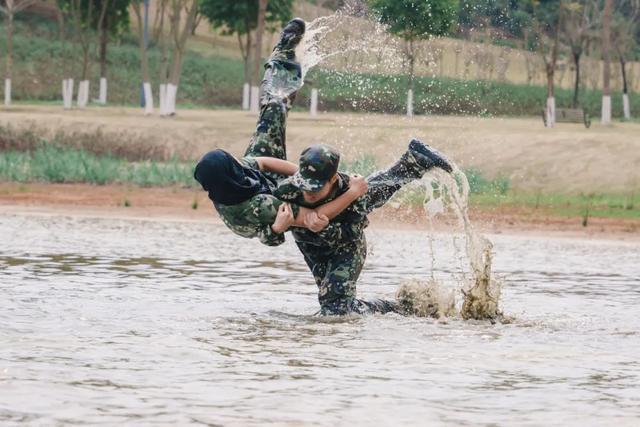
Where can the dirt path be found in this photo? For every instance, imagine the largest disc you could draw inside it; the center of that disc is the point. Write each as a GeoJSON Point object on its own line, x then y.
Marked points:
{"type": "Point", "coordinates": [566, 159]}
{"type": "Point", "coordinates": [178, 204]}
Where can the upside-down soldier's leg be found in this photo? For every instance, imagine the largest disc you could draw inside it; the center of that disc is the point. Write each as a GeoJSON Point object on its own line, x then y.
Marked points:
{"type": "Point", "coordinates": [282, 78]}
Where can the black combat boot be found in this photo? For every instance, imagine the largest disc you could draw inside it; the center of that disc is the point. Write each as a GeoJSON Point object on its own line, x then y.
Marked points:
{"type": "Point", "coordinates": [290, 37]}
{"type": "Point", "coordinates": [283, 74]}
{"type": "Point", "coordinates": [428, 157]}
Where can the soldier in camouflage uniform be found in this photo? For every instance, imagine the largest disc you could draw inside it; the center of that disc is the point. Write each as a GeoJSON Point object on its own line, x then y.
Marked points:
{"type": "Point", "coordinates": [241, 190]}
{"type": "Point", "coordinates": [337, 253]}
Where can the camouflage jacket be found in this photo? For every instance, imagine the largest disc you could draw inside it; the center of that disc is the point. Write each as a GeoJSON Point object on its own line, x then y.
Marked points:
{"type": "Point", "coordinates": [253, 217]}
{"type": "Point", "coordinates": [346, 228]}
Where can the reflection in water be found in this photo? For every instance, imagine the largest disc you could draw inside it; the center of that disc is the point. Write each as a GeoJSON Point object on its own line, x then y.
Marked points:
{"type": "Point", "coordinates": [139, 322]}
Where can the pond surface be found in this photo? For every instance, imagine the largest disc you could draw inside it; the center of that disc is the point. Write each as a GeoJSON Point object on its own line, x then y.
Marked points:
{"type": "Point", "coordinates": [113, 321]}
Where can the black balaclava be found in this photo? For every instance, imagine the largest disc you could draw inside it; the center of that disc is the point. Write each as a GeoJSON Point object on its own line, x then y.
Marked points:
{"type": "Point", "coordinates": [227, 181]}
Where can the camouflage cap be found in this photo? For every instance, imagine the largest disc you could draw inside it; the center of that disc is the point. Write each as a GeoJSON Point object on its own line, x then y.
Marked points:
{"type": "Point", "coordinates": [318, 164]}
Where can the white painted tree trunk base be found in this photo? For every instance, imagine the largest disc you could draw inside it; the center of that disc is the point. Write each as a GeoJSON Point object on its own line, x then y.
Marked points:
{"type": "Point", "coordinates": [626, 106]}
{"type": "Point", "coordinates": [7, 92]}
{"type": "Point", "coordinates": [170, 100]}
{"type": "Point", "coordinates": [314, 103]}
{"type": "Point", "coordinates": [86, 93]}
{"type": "Point", "coordinates": [246, 88]}
{"type": "Point", "coordinates": [148, 99]}
{"type": "Point", "coordinates": [67, 93]}
{"type": "Point", "coordinates": [410, 103]}
{"type": "Point", "coordinates": [606, 110]}
{"type": "Point", "coordinates": [64, 93]}
{"type": "Point", "coordinates": [83, 94]}
{"type": "Point", "coordinates": [80, 95]}
{"type": "Point", "coordinates": [255, 99]}
{"type": "Point", "coordinates": [102, 98]}
{"type": "Point", "coordinates": [551, 112]}
{"type": "Point", "coordinates": [163, 99]}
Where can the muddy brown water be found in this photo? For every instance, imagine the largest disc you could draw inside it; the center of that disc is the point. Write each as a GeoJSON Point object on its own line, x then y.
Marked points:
{"type": "Point", "coordinates": [119, 321]}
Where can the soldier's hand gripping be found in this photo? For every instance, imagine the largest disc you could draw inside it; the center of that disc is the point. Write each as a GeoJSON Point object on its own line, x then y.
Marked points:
{"type": "Point", "coordinates": [284, 219]}
{"type": "Point", "coordinates": [358, 185]}
{"type": "Point", "coordinates": [315, 222]}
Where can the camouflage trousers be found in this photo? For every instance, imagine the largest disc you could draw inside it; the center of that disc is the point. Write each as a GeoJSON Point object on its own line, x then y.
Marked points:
{"type": "Point", "coordinates": [278, 90]}
{"type": "Point", "coordinates": [336, 271]}
{"type": "Point", "coordinates": [384, 184]}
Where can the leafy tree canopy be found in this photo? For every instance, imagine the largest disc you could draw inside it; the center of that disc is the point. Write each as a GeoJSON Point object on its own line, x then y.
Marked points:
{"type": "Point", "coordinates": [414, 19]}
{"type": "Point", "coordinates": [240, 16]}
{"type": "Point", "coordinates": [117, 13]}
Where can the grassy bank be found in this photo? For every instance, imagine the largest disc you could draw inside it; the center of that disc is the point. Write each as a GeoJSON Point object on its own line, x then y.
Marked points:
{"type": "Point", "coordinates": [54, 163]}
{"type": "Point", "coordinates": [493, 193]}
{"type": "Point", "coordinates": [42, 61]}
{"type": "Point", "coordinates": [59, 164]}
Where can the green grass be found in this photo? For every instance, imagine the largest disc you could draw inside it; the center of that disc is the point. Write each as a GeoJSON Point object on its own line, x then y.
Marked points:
{"type": "Point", "coordinates": [59, 164]}
{"type": "Point", "coordinates": [49, 162]}
{"type": "Point", "coordinates": [594, 205]}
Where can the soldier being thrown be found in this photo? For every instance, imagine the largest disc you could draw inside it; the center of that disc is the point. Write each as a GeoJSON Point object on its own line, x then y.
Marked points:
{"type": "Point", "coordinates": [241, 190]}
{"type": "Point", "coordinates": [249, 195]}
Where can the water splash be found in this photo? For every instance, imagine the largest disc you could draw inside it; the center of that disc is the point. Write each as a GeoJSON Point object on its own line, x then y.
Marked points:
{"type": "Point", "coordinates": [332, 40]}
{"type": "Point", "coordinates": [480, 289]}
{"type": "Point", "coordinates": [426, 299]}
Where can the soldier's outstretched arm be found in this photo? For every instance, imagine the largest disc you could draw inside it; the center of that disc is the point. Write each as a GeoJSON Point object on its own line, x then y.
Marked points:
{"type": "Point", "coordinates": [271, 164]}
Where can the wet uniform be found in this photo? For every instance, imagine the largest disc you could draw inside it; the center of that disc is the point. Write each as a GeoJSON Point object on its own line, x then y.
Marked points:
{"type": "Point", "coordinates": [336, 255]}
{"type": "Point", "coordinates": [254, 217]}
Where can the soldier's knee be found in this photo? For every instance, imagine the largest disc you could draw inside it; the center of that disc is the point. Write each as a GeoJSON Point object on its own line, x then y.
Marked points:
{"type": "Point", "coordinates": [336, 297]}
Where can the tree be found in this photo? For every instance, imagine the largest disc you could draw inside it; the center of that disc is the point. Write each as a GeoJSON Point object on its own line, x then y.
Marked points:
{"type": "Point", "coordinates": [625, 26]}
{"type": "Point", "coordinates": [240, 17]}
{"type": "Point", "coordinates": [413, 21]}
{"type": "Point", "coordinates": [180, 29]}
{"type": "Point", "coordinates": [578, 23]}
{"type": "Point", "coordinates": [547, 22]}
{"type": "Point", "coordinates": [144, 62]}
{"type": "Point", "coordinates": [82, 14]}
{"type": "Point", "coordinates": [91, 18]}
{"type": "Point", "coordinates": [113, 20]}
{"type": "Point", "coordinates": [257, 58]}
{"type": "Point", "coordinates": [9, 8]}
{"type": "Point", "coordinates": [606, 56]}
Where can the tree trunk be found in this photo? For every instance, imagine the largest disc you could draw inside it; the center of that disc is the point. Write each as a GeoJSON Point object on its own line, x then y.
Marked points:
{"type": "Point", "coordinates": [9, 64]}
{"type": "Point", "coordinates": [576, 89]}
{"type": "Point", "coordinates": [104, 40]}
{"type": "Point", "coordinates": [196, 22]}
{"type": "Point", "coordinates": [144, 62]}
{"type": "Point", "coordinates": [257, 59]}
{"type": "Point", "coordinates": [623, 66]}
{"type": "Point", "coordinates": [412, 61]}
{"type": "Point", "coordinates": [550, 68]}
{"type": "Point", "coordinates": [606, 74]}
{"type": "Point", "coordinates": [625, 94]}
{"type": "Point", "coordinates": [245, 52]}
{"type": "Point", "coordinates": [85, 61]}
{"type": "Point", "coordinates": [60, 17]}
{"type": "Point", "coordinates": [180, 40]}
